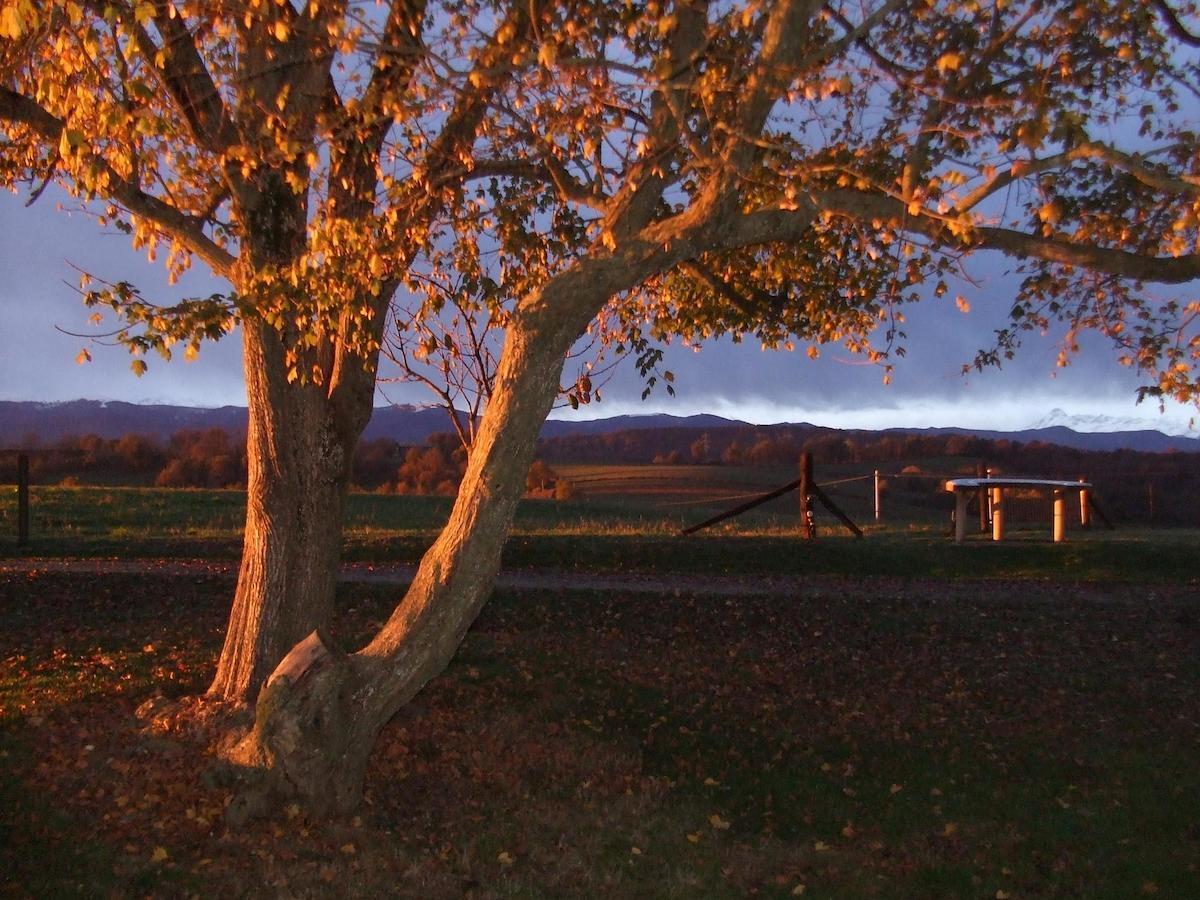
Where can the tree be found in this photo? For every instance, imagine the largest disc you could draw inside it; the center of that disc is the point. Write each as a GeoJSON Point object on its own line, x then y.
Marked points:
{"type": "Point", "coordinates": [301, 155]}
{"type": "Point", "coordinates": [785, 170]}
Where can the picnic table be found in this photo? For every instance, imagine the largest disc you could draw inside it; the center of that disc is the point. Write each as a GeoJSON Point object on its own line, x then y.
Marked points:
{"type": "Point", "coordinates": [993, 489]}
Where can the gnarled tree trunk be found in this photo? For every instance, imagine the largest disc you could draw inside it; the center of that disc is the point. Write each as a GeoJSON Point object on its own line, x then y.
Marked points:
{"type": "Point", "coordinates": [320, 713]}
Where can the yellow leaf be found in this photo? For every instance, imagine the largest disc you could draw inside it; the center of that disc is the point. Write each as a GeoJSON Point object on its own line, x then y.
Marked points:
{"type": "Point", "coordinates": [799, 889]}
{"type": "Point", "coordinates": [949, 62]}
{"type": "Point", "coordinates": [349, 849]}
{"type": "Point", "coordinates": [505, 858]}
{"type": "Point", "coordinates": [1050, 213]}
{"type": "Point", "coordinates": [694, 837]}
{"type": "Point", "coordinates": [820, 846]}
{"type": "Point", "coordinates": [160, 854]}
{"type": "Point", "coordinates": [717, 822]}
{"type": "Point", "coordinates": [962, 303]}
{"type": "Point", "coordinates": [547, 54]}
{"type": "Point", "coordinates": [11, 25]}
{"type": "Point", "coordinates": [83, 357]}
{"type": "Point", "coordinates": [281, 30]}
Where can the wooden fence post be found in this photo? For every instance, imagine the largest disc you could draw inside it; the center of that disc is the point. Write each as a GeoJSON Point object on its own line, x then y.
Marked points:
{"type": "Point", "coordinates": [878, 498]}
{"type": "Point", "coordinates": [1085, 508]}
{"type": "Point", "coordinates": [982, 471]}
{"type": "Point", "coordinates": [22, 500]}
{"type": "Point", "coordinates": [807, 526]}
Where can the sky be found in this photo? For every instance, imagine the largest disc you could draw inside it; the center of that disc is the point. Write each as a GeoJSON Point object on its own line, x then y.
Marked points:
{"type": "Point", "coordinates": [45, 244]}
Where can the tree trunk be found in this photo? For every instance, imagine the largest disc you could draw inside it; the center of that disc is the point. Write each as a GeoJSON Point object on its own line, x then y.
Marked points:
{"type": "Point", "coordinates": [318, 717]}
{"type": "Point", "coordinates": [299, 452]}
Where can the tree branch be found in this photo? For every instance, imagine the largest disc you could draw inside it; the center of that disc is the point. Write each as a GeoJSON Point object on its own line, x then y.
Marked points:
{"type": "Point", "coordinates": [1108, 260]}
{"type": "Point", "coordinates": [857, 34]}
{"type": "Point", "coordinates": [18, 109]}
{"type": "Point", "coordinates": [1132, 164]}
{"type": "Point", "coordinates": [1174, 24]}
{"type": "Point", "coordinates": [184, 76]}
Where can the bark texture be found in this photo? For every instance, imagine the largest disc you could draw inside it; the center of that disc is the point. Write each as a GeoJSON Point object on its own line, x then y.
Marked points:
{"type": "Point", "coordinates": [299, 470]}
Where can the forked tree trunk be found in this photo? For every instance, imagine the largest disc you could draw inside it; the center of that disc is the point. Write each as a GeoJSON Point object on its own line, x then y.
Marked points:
{"type": "Point", "coordinates": [299, 450]}
{"type": "Point", "coordinates": [321, 711]}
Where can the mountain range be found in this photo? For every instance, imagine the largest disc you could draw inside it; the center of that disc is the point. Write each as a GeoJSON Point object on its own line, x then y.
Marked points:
{"type": "Point", "coordinates": [412, 425]}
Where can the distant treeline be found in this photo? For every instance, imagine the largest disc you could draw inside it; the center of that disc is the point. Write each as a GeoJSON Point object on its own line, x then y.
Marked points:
{"type": "Point", "coordinates": [214, 458]}
{"type": "Point", "coordinates": [1134, 486]}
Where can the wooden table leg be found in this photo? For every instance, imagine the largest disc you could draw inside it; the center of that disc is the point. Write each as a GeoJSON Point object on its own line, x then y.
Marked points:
{"type": "Point", "coordinates": [960, 516]}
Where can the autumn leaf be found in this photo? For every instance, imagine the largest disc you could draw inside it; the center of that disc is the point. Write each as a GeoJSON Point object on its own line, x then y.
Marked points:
{"type": "Point", "coordinates": [949, 62]}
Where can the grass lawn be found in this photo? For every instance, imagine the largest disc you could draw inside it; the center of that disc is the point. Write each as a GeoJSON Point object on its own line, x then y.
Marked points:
{"type": "Point", "coordinates": [862, 737]}
{"type": "Point", "coordinates": [624, 533]}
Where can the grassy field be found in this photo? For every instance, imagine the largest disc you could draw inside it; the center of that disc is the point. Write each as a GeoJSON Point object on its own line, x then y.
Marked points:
{"type": "Point", "coordinates": [604, 531]}
{"type": "Point", "coordinates": [860, 738]}
{"type": "Point", "coordinates": [910, 719]}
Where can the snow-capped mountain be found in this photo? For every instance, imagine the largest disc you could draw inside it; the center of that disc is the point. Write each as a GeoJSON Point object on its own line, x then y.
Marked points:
{"type": "Point", "coordinates": [1175, 426]}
